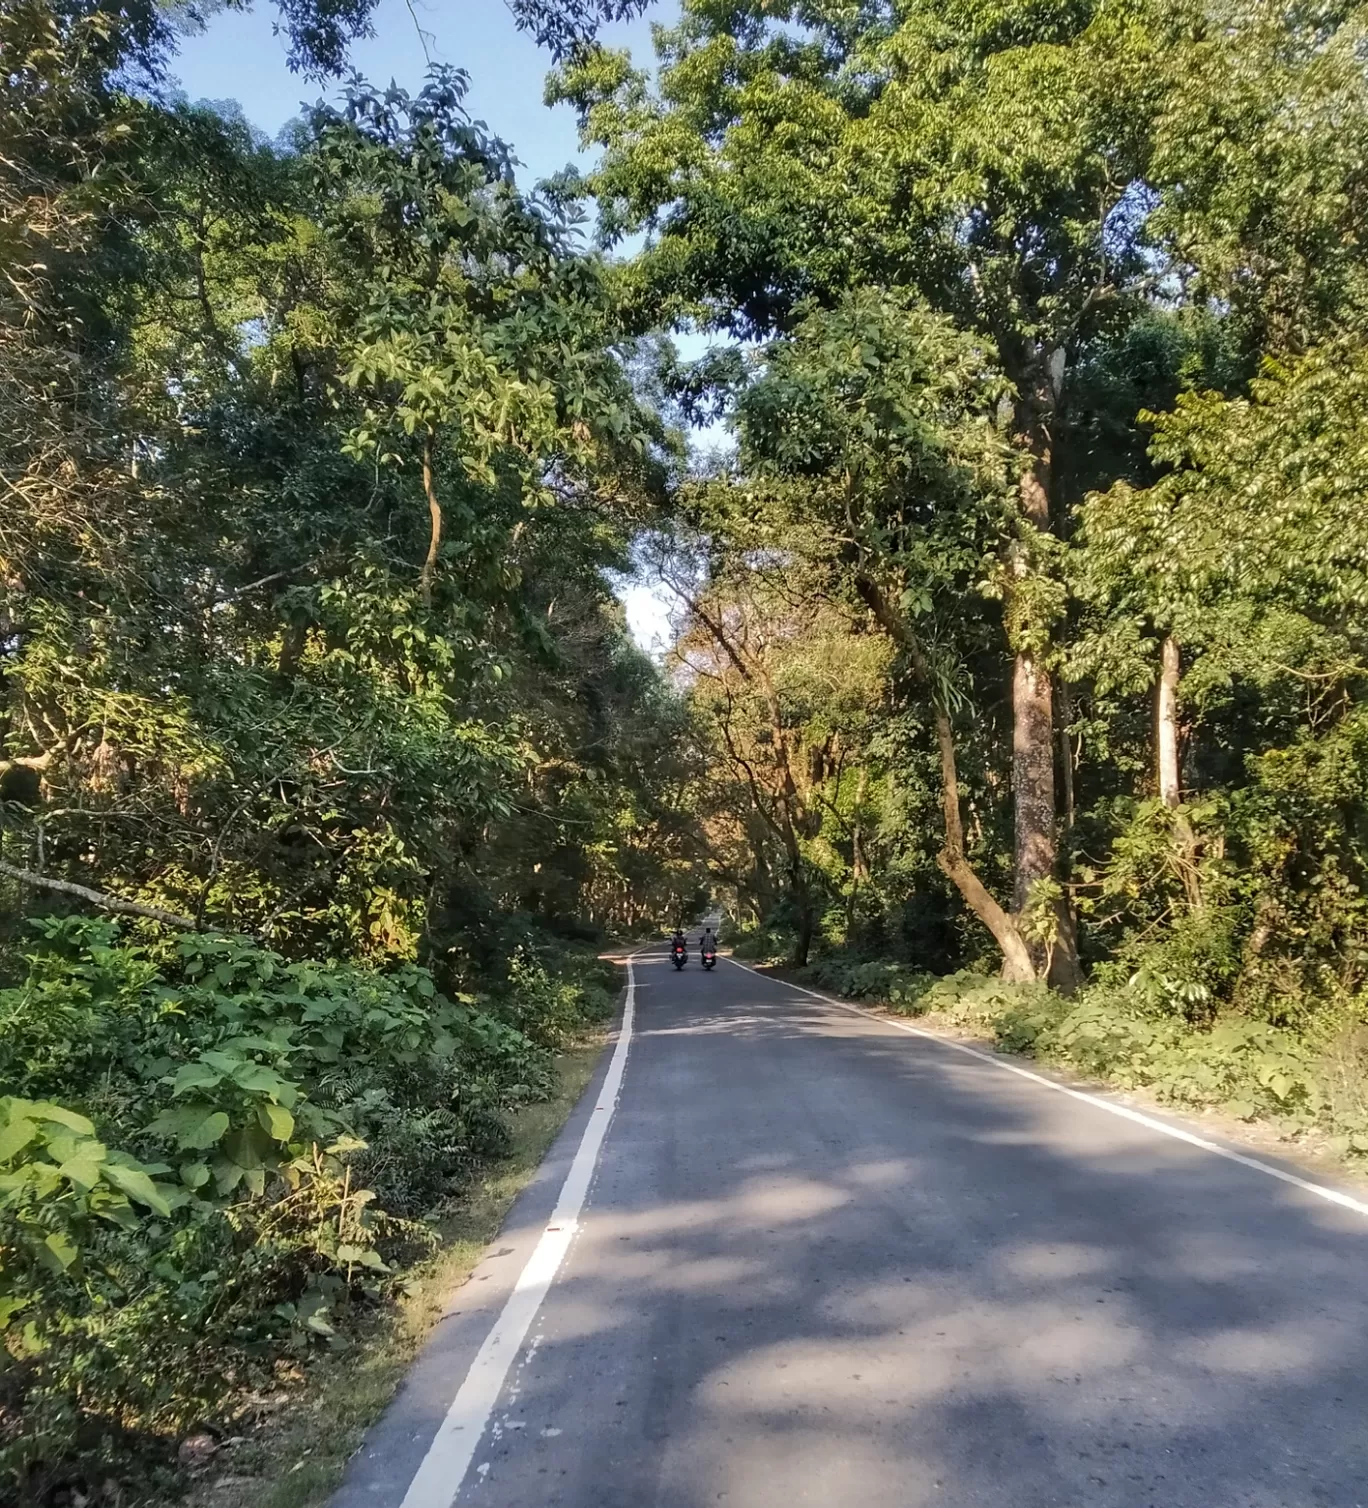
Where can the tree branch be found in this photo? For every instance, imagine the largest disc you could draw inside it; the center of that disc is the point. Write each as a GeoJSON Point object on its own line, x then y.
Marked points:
{"type": "Point", "coordinates": [99, 898]}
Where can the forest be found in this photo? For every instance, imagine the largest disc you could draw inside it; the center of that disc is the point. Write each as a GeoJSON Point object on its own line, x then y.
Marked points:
{"type": "Point", "coordinates": [1020, 616]}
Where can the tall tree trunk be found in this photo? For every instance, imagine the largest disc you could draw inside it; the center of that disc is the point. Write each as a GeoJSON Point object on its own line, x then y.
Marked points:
{"type": "Point", "coordinates": [1017, 963]}
{"type": "Point", "coordinates": [1167, 766]}
{"type": "Point", "coordinates": [1033, 731]}
{"type": "Point", "coordinates": [859, 868]}
{"type": "Point", "coordinates": [1033, 793]}
{"type": "Point", "coordinates": [807, 925]}
{"type": "Point", "coordinates": [799, 888]}
{"type": "Point", "coordinates": [1066, 755]}
{"type": "Point", "coordinates": [1166, 723]}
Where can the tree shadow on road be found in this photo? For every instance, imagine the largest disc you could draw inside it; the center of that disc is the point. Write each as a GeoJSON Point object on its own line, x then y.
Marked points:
{"type": "Point", "coordinates": [826, 1263]}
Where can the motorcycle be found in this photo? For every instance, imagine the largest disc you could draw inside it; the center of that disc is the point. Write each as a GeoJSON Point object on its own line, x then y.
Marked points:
{"type": "Point", "coordinates": [678, 955]}
{"type": "Point", "coordinates": [709, 958]}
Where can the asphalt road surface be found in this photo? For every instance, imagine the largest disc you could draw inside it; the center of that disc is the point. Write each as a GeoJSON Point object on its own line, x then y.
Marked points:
{"type": "Point", "coordinates": [822, 1261]}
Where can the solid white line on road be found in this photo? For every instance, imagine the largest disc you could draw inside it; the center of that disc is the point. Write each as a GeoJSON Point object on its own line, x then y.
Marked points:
{"type": "Point", "coordinates": [1320, 1190]}
{"type": "Point", "coordinates": [443, 1469]}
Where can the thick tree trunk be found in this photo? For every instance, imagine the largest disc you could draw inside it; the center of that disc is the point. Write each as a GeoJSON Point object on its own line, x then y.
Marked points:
{"type": "Point", "coordinates": [1166, 723]}
{"type": "Point", "coordinates": [859, 868]}
{"type": "Point", "coordinates": [1033, 729]}
{"type": "Point", "coordinates": [1033, 794]}
{"type": "Point", "coordinates": [1167, 770]}
{"type": "Point", "coordinates": [1033, 791]}
{"type": "Point", "coordinates": [1066, 754]}
{"type": "Point", "coordinates": [1017, 964]}
{"type": "Point", "coordinates": [807, 925]}
{"type": "Point", "coordinates": [798, 887]}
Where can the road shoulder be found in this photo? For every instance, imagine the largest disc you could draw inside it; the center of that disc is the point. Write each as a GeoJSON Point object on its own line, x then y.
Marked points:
{"type": "Point", "coordinates": [357, 1418]}
{"type": "Point", "coordinates": [1304, 1156]}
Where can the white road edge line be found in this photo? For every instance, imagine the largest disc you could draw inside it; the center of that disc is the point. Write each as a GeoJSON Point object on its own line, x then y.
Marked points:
{"type": "Point", "coordinates": [440, 1475]}
{"type": "Point", "coordinates": [1320, 1190]}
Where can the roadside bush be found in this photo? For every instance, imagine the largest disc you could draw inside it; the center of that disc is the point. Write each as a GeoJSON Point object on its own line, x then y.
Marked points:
{"type": "Point", "coordinates": [894, 984]}
{"type": "Point", "coordinates": [210, 1157]}
{"type": "Point", "coordinates": [553, 1007]}
{"type": "Point", "coordinates": [1155, 1029]}
{"type": "Point", "coordinates": [982, 1003]}
{"type": "Point", "coordinates": [768, 944]}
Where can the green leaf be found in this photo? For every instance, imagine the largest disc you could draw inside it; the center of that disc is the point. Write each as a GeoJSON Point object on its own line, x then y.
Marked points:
{"type": "Point", "coordinates": [137, 1185]}
{"type": "Point", "coordinates": [12, 1304]}
{"type": "Point", "coordinates": [248, 1147]}
{"type": "Point", "coordinates": [362, 1256]}
{"type": "Point", "coordinates": [227, 1175]}
{"type": "Point", "coordinates": [44, 1110]}
{"type": "Point", "coordinates": [62, 1249]}
{"type": "Point", "coordinates": [84, 1169]}
{"type": "Point", "coordinates": [276, 1121]}
{"type": "Point", "coordinates": [193, 1127]}
{"type": "Point", "coordinates": [256, 1078]}
{"type": "Point", "coordinates": [197, 1076]}
{"type": "Point", "coordinates": [15, 1137]}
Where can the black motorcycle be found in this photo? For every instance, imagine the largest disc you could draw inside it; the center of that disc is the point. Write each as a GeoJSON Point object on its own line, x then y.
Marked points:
{"type": "Point", "coordinates": [709, 957]}
{"type": "Point", "coordinates": [678, 955]}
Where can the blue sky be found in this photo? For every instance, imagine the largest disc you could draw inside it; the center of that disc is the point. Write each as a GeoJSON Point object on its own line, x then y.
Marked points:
{"type": "Point", "coordinates": [237, 57]}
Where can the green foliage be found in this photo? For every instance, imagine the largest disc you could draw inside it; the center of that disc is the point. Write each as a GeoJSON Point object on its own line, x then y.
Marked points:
{"type": "Point", "coordinates": [768, 944]}
{"type": "Point", "coordinates": [235, 1152]}
{"type": "Point", "coordinates": [898, 986]}
{"type": "Point", "coordinates": [1058, 324]}
{"type": "Point", "coordinates": [1025, 619]}
{"type": "Point", "coordinates": [1150, 1030]}
{"type": "Point", "coordinates": [313, 621]}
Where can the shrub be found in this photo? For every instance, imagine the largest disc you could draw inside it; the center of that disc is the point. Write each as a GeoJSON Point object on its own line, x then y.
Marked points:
{"type": "Point", "coordinates": [209, 1157]}
{"type": "Point", "coordinates": [759, 944]}
{"type": "Point", "coordinates": [553, 1008]}
{"type": "Point", "coordinates": [1154, 1029]}
{"type": "Point", "coordinates": [897, 985]}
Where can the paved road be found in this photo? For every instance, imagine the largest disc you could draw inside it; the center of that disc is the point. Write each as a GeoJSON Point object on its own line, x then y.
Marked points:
{"type": "Point", "coordinates": [824, 1262]}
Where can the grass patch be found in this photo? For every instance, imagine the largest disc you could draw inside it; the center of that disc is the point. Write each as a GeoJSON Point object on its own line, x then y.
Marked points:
{"type": "Point", "coordinates": [296, 1443]}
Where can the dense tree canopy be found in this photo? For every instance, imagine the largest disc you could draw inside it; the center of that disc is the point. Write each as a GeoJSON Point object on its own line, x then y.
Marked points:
{"type": "Point", "coordinates": [975, 249]}
{"type": "Point", "coordinates": [1020, 626]}
{"type": "Point", "coordinates": [318, 461]}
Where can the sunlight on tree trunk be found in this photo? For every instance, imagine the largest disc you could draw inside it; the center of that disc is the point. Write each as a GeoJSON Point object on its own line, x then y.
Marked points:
{"type": "Point", "coordinates": [435, 512]}
{"type": "Point", "coordinates": [1166, 723]}
{"type": "Point", "coordinates": [1017, 964]}
{"type": "Point", "coordinates": [1168, 771]}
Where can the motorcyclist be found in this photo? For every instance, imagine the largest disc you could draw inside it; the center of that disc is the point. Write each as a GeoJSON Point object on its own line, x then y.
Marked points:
{"type": "Point", "coordinates": [709, 943]}
{"type": "Point", "coordinates": [678, 942]}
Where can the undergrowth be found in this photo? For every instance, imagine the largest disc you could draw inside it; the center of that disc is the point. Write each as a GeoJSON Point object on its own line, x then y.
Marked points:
{"type": "Point", "coordinates": [213, 1162]}
{"type": "Point", "coordinates": [1145, 1028]}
